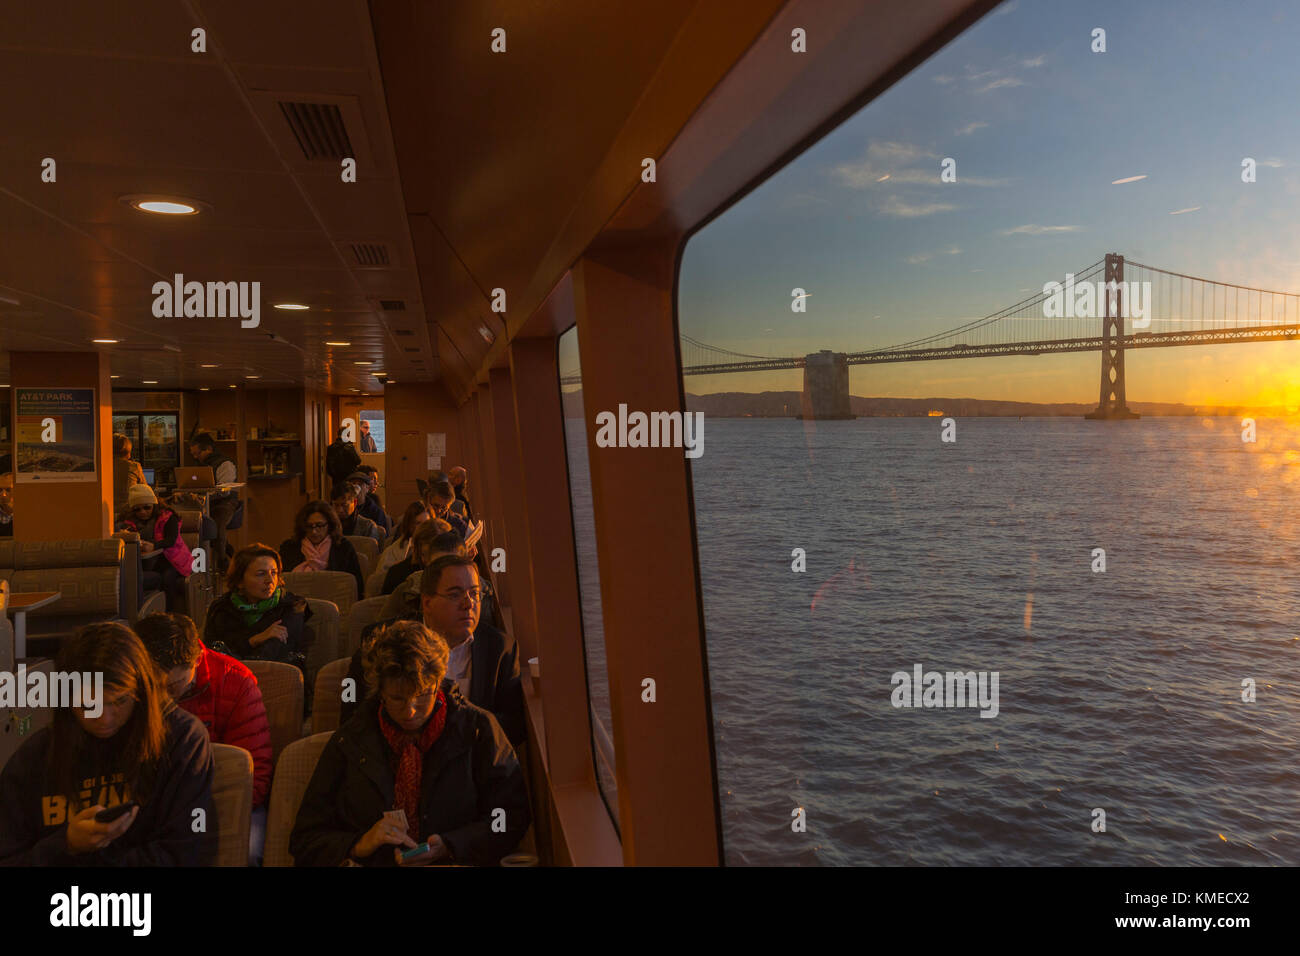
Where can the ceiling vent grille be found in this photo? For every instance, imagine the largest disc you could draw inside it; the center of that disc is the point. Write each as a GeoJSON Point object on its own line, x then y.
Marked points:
{"type": "Point", "coordinates": [319, 130]}
{"type": "Point", "coordinates": [392, 305]}
{"type": "Point", "coordinates": [371, 255]}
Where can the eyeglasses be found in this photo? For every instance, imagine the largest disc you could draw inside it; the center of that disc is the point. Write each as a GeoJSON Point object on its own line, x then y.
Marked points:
{"type": "Point", "coordinates": [459, 594]}
{"type": "Point", "coordinates": [317, 525]}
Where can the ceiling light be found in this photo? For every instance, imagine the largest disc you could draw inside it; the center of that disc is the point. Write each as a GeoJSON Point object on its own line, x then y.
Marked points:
{"type": "Point", "coordinates": [338, 343]}
{"type": "Point", "coordinates": [115, 376]}
{"type": "Point", "coordinates": [165, 205]}
{"type": "Point", "coordinates": [292, 306]}
{"type": "Point", "coordinates": [209, 366]}
{"type": "Point", "coordinates": [252, 376]}
{"type": "Point", "coordinates": [363, 363]}
{"type": "Point", "coordinates": [488, 337]}
{"type": "Point", "coordinates": [234, 386]}
{"type": "Point", "coordinates": [204, 389]}
{"type": "Point", "coordinates": [4, 386]}
{"type": "Point", "coordinates": [104, 341]}
{"type": "Point", "coordinates": [150, 381]}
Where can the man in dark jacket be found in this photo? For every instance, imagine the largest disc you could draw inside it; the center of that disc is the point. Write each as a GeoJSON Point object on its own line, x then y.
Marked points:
{"type": "Point", "coordinates": [366, 480]}
{"type": "Point", "coordinates": [471, 791]}
{"type": "Point", "coordinates": [341, 459]}
{"type": "Point", "coordinates": [484, 661]}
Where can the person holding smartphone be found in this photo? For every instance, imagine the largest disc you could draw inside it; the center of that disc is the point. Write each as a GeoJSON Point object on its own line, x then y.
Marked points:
{"type": "Point", "coordinates": [121, 788]}
{"type": "Point", "coordinates": [417, 768]}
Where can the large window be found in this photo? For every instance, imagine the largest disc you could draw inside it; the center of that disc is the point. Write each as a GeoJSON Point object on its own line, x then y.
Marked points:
{"type": "Point", "coordinates": [1127, 582]}
{"type": "Point", "coordinates": [584, 536]}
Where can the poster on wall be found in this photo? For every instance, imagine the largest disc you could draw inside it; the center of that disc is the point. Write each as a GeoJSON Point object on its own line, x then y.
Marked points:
{"type": "Point", "coordinates": [55, 438]}
{"type": "Point", "coordinates": [436, 449]}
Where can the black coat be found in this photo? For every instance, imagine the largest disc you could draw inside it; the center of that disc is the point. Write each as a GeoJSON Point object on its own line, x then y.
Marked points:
{"type": "Point", "coordinates": [341, 460]}
{"type": "Point", "coordinates": [469, 772]}
{"type": "Point", "coordinates": [225, 623]}
{"type": "Point", "coordinates": [493, 677]}
{"type": "Point", "coordinates": [343, 557]}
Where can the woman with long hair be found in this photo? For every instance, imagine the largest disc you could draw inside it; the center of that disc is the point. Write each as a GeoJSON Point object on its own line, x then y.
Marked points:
{"type": "Point", "coordinates": [127, 745]}
{"type": "Point", "coordinates": [258, 618]}
{"type": "Point", "coordinates": [318, 544]}
{"type": "Point", "coordinates": [416, 514]}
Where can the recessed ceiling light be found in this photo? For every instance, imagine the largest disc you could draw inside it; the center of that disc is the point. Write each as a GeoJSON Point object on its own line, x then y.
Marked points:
{"type": "Point", "coordinates": [165, 205]}
{"type": "Point", "coordinates": [354, 389]}
{"type": "Point", "coordinates": [150, 381]}
{"type": "Point", "coordinates": [209, 366]}
{"type": "Point", "coordinates": [338, 343]}
{"type": "Point", "coordinates": [363, 363]}
{"type": "Point", "coordinates": [115, 376]}
{"type": "Point", "coordinates": [104, 341]}
{"type": "Point", "coordinates": [234, 386]}
{"type": "Point", "coordinates": [252, 376]}
{"type": "Point", "coordinates": [4, 386]}
{"type": "Point", "coordinates": [292, 306]}
{"type": "Point", "coordinates": [204, 389]}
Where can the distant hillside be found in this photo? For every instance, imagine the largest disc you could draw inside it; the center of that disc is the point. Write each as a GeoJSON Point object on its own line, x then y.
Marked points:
{"type": "Point", "coordinates": [787, 405]}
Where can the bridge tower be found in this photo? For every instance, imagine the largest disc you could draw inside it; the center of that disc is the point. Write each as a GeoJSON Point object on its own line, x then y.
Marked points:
{"type": "Point", "coordinates": [826, 386]}
{"type": "Point", "coordinates": [1112, 405]}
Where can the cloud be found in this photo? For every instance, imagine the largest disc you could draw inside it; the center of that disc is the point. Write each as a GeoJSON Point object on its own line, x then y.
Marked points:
{"type": "Point", "coordinates": [1271, 163]}
{"type": "Point", "coordinates": [894, 206]}
{"type": "Point", "coordinates": [1036, 230]}
{"type": "Point", "coordinates": [899, 164]}
{"type": "Point", "coordinates": [1179, 212]}
{"type": "Point", "coordinates": [944, 79]}
{"type": "Point", "coordinates": [999, 83]}
{"type": "Point", "coordinates": [970, 128]}
{"type": "Point", "coordinates": [927, 256]}
{"type": "Point", "coordinates": [1033, 62]}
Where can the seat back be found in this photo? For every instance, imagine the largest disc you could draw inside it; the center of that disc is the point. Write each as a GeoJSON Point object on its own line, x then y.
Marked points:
{"type": "Point", "coordinates": [282, 693]}
{"type": "Point", "coordinates": [201, 590]}
{"type": "Point", "coordinates": [324, 625]}
{"type": "Point", "coordinates": [327, 696]}
{"type": "Point", "coordinates": [232, 798]}
{"type": "Point", "coordinates": [364, 613]}
{"type": "Point", "coordinates": [367, 549]}
{"type": "Point", "coordinates": [292, 774]}
{"type": "Point", "coordinates": [337, 586]}
{"type": "Point", "coordinates": [86, 573]}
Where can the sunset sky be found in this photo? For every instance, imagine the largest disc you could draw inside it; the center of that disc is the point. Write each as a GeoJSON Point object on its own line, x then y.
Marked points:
{"type": "Point", "coordinates": [1039, 127]}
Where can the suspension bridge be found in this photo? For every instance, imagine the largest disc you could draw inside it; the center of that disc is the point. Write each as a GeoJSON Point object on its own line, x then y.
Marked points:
{"type": "Point", "coordinates": [1109, 307]}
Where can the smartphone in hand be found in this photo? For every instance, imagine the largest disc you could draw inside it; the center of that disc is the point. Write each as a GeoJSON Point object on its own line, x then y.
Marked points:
{"type": "Point", "coordinates": [109, 814]}
{"type": "Point", "coordinates": [416, 852]}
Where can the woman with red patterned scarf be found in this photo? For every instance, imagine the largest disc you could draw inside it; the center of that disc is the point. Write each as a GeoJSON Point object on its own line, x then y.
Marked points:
{"type": "Point", "coordinates": [418, 767]}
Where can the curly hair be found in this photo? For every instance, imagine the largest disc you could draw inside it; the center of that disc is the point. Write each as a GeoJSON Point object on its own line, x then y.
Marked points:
{"type": "Point", "coordinates": [405, 651]}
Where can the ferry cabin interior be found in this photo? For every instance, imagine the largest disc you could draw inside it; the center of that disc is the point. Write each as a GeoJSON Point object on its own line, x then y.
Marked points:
{"type": "Point", "coordinates": [519, 169]}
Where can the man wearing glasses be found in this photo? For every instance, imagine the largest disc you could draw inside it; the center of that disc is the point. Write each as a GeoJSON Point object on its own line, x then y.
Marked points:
{"type": "Point", "coordinates": [484, 661]}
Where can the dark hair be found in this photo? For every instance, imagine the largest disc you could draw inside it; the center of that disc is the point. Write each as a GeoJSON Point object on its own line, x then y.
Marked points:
{"type": "Point", "coordinates": [441, 488]}
{"type": "Point", "coordinates": [121, 446]}
{"type": "Point", "coordinates": [203, 440]}
{"type": "Point", "coordinates": [432, 576]}
{"type": "Point", "coordinates": [406, 526]}
{"type": "Point", "coordinates": [317, 508]}
{"type": "Point", "coordinates": [139, 745]}
{"type": "Point", "coordinates": [341, 490]}
{"type": "Point", "coordinates": [448, 542]}
{"type": "Point", "coordinates": [244, 557]}
{"type": "Point", "coordinates": [368, 470]}
{"type": "Point", "coordinates": [407, 651]}
{"type": "Point", "coordinates": [172, 640]}
{"type": "Point", "coordinates": [427, 533]}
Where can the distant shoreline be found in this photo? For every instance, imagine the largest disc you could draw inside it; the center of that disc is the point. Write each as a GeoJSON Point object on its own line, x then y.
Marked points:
{"type": "Point", "coordinates": [789, 405]}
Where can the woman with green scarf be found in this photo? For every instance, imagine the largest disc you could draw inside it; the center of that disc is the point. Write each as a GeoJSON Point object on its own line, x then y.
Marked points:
{"type": "Point", "coordinates": [257, 618]}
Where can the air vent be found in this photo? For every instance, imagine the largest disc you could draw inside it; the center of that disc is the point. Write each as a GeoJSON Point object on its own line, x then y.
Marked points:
{"type": "Point", "coordinates": [370, 255]}
{"type": "Point", "coordinates": [392, 305]}
{"type": "Point", "coordinates": [319, 130]}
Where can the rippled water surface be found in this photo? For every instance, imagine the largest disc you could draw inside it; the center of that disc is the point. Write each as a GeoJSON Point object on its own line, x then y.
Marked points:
{"type": "Point", "coordinates": [1118, 690]}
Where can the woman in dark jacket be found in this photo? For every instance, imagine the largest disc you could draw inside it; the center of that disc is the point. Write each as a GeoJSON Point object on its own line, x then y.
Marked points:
{"type": "Point", "coordinates": [318, 544]}
{"type": "Point", "coordinates": [417, 766]}
{"type": "Point", "coordinates": [257, 619]}
{"type": "Point", "coordinates": [131, 745]}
